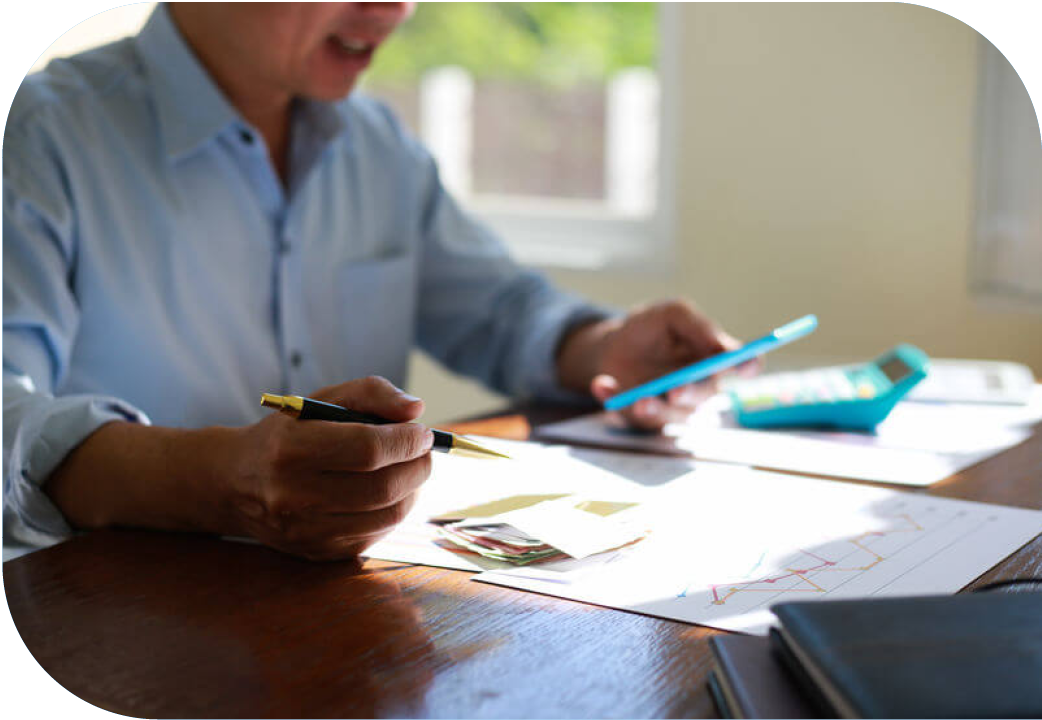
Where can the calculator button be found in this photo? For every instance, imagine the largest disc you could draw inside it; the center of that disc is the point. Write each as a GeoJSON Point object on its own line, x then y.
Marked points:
{"type": "Point", "coordinates": [865, 391]}
{"type": "Point", "coordinates": [842, 386]}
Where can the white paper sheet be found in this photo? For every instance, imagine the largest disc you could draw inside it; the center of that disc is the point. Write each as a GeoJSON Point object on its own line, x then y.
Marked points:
{"type": "Point", "coordinates": [975, 381]}
{"type": "Point", "coordinates": [726, 541]}
{"type": "Point", "coordinates": [729, 542]}
{"type": "Point", "coordinates": [918, 443]}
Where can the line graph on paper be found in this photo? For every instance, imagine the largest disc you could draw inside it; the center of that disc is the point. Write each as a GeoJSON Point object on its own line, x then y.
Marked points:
{"type": "Point", "coordinates": [810, 571]}
{"type": "Point", "coordinates": [869, 560]}
{"type": "Point", "coordinates": [726, 547]}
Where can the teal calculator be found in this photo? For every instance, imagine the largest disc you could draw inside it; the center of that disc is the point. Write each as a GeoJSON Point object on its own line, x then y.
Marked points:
{"type": "Point", "coordinates": [853, 397]}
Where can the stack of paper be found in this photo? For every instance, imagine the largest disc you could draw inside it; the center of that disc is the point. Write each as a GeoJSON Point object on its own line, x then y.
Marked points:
{"type": "Point", "coordinates": [499, 541]}
{"type": "Point", "coordinates": [521, 529]}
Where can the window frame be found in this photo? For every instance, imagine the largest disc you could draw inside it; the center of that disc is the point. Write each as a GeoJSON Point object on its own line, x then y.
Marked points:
{"type": "Point", "coordinates": [998, 97]}
{"type": "Point", "coordinates": [587, 235]}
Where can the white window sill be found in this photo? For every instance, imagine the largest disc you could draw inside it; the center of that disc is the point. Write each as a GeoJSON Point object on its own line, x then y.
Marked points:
{"type": "Point", "coordinates": [575, 235]}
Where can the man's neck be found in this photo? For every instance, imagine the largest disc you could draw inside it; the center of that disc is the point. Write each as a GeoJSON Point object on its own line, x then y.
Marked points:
{"type": "Point", "coordinates": [265, 107]}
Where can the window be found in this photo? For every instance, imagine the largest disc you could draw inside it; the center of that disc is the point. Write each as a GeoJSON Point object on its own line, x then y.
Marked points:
{"type": "Point", "coordinates": [1007, 258]}
{"type": "Point", "coordinates": [546, 119]}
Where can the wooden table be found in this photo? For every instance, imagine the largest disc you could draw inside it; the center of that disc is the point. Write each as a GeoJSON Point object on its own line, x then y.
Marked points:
{"type": "Point", "coordinates": [161, 625]}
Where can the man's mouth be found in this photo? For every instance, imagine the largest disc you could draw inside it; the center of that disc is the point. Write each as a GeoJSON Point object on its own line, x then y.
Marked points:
{"type": "Point", "coordinates": [353, 46]}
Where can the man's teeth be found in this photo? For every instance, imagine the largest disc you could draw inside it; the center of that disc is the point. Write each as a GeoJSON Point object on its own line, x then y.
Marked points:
{"type": "Point", "coordinates": [354, 46]}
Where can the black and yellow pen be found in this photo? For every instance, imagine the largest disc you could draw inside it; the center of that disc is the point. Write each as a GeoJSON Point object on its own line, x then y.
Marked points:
{"type": "Point", "coordinates": [307, 409]}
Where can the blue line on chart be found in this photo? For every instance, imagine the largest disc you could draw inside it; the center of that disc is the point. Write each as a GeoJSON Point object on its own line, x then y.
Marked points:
{"type": "Point", "coordinates": [753, 569]}
{"type": "Point", "coordinates": [683, 593]}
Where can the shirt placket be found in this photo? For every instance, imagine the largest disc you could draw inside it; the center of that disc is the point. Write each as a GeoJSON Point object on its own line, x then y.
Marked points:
{"type": "Point", "coordinates": [283, 244]}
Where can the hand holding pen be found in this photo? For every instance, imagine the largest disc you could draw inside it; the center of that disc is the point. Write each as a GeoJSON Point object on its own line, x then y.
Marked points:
{"type": "Point", "coordinates": [304, 408]}
{"type": "Point", "coordinates": [329, 490]}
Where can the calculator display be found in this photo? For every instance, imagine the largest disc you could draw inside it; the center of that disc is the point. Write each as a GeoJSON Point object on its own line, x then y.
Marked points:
{"type": "Point", "coordinates": [895, 369]}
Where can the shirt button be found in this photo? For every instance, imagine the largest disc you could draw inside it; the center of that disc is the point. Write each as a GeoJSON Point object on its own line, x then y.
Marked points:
{"type": "Point", "coordinates": [246, 136]}
{"type": "Point", "coordinates": [295, 359]}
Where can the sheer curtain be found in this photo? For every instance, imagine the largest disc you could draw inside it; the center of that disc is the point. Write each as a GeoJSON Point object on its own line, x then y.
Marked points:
{"type": "Point", "coordinates": [1007, 257]}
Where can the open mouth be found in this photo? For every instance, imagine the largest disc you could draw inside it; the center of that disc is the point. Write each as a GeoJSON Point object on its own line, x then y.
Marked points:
{"type": "Point", "coordinates": [352, 47]}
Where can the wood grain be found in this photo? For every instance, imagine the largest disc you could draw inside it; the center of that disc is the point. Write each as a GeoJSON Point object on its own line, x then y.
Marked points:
{"type": "Point", "coordinates": [164, 625]}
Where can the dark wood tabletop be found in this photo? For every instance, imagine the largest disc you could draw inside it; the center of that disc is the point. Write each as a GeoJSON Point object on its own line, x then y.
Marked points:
{"type": "Point", "coordinates": [170, 625]}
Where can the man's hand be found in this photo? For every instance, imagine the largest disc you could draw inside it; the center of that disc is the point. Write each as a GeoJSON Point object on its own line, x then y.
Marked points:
{"type": "Point", "coordinates": [614, 355]}
{"type": "Point", "coordinates": [327, 490]}
{"type": "Point", "coordinates": [317, 489]}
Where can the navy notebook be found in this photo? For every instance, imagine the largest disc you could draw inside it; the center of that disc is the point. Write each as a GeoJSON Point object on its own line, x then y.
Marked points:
{"type": "Point", "coordinates": [972, 655]}
{"type": "Point", "coordinates": [749, 682]}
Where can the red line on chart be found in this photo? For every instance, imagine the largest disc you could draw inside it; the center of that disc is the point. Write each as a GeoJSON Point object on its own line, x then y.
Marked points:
{"type": "Point", "coordinates": [807, 585]}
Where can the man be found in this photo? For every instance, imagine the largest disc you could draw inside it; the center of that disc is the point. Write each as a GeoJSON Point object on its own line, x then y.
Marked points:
{"type": "Point", "coordinates": [203, 213]}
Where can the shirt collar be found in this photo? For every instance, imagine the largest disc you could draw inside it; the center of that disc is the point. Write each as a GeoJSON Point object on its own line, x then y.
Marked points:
{"type": "Point", "coordinates": [192, 109]}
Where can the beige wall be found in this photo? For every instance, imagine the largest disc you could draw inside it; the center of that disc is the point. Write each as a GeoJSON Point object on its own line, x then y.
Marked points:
{"type": "Point", "coordinates": [826, 166]}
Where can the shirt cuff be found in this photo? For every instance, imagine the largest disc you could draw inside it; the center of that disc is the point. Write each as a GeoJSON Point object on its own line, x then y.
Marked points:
{"type": "Point", "coordinates": [43, 436]}
{"type": "Point", "coordinates": [542, 384]}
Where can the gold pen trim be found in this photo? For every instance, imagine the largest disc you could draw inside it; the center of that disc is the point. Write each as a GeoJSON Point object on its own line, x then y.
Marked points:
{"type": "Point", "coordinates": [282, 402]}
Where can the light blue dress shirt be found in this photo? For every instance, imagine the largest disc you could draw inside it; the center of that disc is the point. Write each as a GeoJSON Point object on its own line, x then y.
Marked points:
{"type": "Point", "coordinates": [157, 270]}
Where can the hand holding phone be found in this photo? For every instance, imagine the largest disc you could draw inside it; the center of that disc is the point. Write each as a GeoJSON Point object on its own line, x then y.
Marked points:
{"type": "Point", "coordinates": [715, 364]}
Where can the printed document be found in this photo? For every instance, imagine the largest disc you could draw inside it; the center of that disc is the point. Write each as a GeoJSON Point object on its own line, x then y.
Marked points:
{"type": "Point", "coordinates": [918, 443]}
{"type": "Point", "coordinates": [724, 542]}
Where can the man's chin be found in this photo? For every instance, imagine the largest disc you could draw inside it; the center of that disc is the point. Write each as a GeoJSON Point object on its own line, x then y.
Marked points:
{"type": "Point", "coordinates": [332, 91]}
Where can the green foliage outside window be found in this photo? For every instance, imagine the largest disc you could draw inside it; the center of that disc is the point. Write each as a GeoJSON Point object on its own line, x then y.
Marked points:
{"type": "Point", "coordinates": [552, 43]}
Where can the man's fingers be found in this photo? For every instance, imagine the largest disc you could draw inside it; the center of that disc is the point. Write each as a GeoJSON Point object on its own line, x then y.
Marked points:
{"type": "Point", "coordinates": [321, 493]}
{"type": "Point", "coordinates": [727, 341]}
{"type": "Point", "coordinates": [693, 394]}
{"type": "Point", "coordinates": [649, 413]}
{"type": "Point", "coordinates": [654, 413]}
{"type": "Point", "coordinates": [339, 534]}
{"type": "Point", "coordinates": [750, 368]}
{"type": "Point", "coordinates": [696, 330]}
{"type": "Point", "coordinates": [375, 395]}
{"type": "Point", "coordinates": [603, 387]}
{"type": "Point", "coordinates": [350, 447]}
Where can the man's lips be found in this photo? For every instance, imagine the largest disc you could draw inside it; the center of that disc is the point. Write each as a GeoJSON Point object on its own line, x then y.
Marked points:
{"type": "Point", "coordinates": [354, 46]}
{"type": "Point", "coordinates": [355, 51]}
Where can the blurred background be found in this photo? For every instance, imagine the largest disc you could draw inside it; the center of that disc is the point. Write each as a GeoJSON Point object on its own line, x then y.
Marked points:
{"type": "Point", "coordinates": [878, 164]}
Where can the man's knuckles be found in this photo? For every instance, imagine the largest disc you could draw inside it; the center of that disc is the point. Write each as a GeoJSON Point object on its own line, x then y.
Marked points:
{"type": "Point", "coordinates": [396, 444]}
{"type": "Point", "coordinates": [391, 485]}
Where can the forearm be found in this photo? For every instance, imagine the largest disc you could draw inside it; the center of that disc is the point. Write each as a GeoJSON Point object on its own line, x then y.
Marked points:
{"type": "Point", "coordinates": [131, 475]}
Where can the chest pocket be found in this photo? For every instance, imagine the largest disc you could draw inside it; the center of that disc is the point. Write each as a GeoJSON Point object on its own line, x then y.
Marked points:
{"type": "Point", "coordinates": [378, 314]}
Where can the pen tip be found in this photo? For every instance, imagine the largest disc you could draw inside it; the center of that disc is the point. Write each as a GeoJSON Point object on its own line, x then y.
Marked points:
{"type": "Point", "coordinates": [469, 448]}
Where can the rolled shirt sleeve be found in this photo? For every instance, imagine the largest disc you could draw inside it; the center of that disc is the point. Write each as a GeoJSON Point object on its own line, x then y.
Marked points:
{"type": "Point", "coordinates": [40, 320]}
{"type": "Point", "coordinates": [39, 431]}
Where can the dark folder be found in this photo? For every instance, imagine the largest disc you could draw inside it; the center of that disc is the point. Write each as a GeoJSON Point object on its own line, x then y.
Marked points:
{"type": "Point", "coordinates": [972, 655]}
{"type": "Point", "coordinates": [747, 682]}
